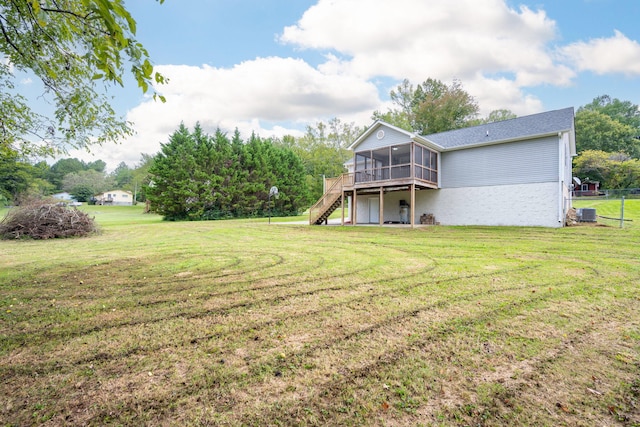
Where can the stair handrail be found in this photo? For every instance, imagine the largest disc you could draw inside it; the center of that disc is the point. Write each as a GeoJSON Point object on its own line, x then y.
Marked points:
{"type": "Point", "coordinates": [328, 198]}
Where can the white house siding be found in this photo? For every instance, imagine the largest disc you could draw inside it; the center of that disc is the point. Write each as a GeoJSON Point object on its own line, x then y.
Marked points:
{"type": "Point", "coordinates": [507, 205]}
{"type": "Point", "coordinates": [518, 204]}
{"type": "Point", "coordinates": [117, 197]}
{"type": "Point", "coordinates": [367, 202]}
{"type": "Point", "coordinates": [566, 173]}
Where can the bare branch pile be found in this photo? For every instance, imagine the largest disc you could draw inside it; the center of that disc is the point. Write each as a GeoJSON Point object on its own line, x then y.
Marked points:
{"type": "Point", "coordinates": [46, 221]}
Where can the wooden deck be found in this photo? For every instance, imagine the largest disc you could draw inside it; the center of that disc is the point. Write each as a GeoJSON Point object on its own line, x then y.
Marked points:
{"type": "Point", "coordinates": [362, 182]}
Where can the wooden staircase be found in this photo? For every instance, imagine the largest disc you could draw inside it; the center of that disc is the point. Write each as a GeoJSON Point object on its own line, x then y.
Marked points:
{"type": "Point", "coordinates": [329, 202]}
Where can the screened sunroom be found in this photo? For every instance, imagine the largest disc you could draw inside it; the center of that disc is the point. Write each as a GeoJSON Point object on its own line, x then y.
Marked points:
{"type": "Point", "coordinates": [397, 164]}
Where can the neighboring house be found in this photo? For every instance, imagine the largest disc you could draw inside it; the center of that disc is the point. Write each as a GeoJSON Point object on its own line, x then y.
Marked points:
{"type": "Point", "coordinates": [587, 188]}
{"type": "Point", "coordinates": [114, 197]}
{"type": "Point", "coordinates": [512, 172]}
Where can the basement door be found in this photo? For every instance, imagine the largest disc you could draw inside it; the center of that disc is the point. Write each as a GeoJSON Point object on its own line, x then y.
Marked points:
{"type": "Point", "coordinates": [374, 210]}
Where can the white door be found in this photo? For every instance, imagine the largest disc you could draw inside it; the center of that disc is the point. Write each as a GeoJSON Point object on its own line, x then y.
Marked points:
{"type": "Point", "coordinates": [374, 210]}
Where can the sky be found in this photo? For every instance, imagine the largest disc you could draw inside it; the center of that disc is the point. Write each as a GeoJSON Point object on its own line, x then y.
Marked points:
{"type": "Point", "coordinates": [275, 66]}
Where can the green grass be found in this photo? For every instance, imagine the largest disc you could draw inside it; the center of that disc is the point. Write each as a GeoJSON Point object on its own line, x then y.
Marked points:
{"type": "Point", "coordinates": [245, 323]}
{"type": "Point", "coordinates": [613, 209]}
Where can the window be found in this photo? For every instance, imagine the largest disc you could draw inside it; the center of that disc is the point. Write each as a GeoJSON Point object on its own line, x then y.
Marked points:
{"type": "Point", "coordinates": [396, 162]}
{"type": "Point", "coordinates": [363, 160]}
{"type": "Point", "coordinates": [417, 155]}
{"type": "Point", "coordinates": [400, 155]}
{"type": "Point", "coordinates": [426, 164]}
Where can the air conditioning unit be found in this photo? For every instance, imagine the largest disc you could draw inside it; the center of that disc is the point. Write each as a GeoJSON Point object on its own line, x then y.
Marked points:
{"type": "Point", "coordinates": [587, 215]}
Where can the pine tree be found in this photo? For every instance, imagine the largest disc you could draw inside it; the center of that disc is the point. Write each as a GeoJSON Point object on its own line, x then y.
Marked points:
{"type": "Point", "coordinates": [196, 176]}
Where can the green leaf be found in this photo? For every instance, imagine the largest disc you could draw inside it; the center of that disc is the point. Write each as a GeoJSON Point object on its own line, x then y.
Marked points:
{"type": "Point", "coordinates": [147, 68]}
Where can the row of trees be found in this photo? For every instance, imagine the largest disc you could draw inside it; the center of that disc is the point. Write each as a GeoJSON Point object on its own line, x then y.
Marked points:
{"type": "Point", "coordinates": [197, 176]}
{"type": "Point", "coordinates": [608, 143]}
{"type": "Point", "coordinates": [609, 125]}
{"type": "Point", "coordinates": [612, 170]}
{"type": "Point", "coordinates": [77, 50]}
{"type": "Point", "coordinates": [21, 179]}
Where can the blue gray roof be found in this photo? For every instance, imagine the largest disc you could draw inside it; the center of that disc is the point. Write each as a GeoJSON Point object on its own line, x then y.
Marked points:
{"type": "Point", "coordinates": [532, 126]}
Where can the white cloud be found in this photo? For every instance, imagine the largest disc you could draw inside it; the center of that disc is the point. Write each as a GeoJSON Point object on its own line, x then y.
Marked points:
{"type": "Point", "coordinates": [269, 96]}
{"type": "Point", "coordinates": [467, 39]}
{"type": "Point", "coordinates": [617, 54]}
{"type": "Point", "coordinates": [499, 93]}
{"type": "Point", "coordinates": [498, 52]}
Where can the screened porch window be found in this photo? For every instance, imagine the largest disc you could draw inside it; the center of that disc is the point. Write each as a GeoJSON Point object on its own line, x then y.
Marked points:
{"type": "Point", "coordinates": [396, 162]}
{"type": "Point", "coordinates": [425, 164]}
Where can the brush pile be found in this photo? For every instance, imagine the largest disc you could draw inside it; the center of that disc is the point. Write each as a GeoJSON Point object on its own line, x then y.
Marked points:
{"type": "Point", "coordinates": [45, 220]}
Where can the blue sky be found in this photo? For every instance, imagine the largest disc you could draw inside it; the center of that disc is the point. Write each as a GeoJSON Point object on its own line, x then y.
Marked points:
{"type": "Point", "coordinates": [275, 66]}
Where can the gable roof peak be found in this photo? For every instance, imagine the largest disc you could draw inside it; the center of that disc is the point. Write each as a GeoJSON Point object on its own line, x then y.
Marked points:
{"type": "Point", "coordinates": [374, 127]}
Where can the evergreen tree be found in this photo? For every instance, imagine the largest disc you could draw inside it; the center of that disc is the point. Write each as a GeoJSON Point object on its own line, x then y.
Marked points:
{"type": "Point", "coordinates": [196, 176]}
{"type": "Point", "coordinates": [171, 190]}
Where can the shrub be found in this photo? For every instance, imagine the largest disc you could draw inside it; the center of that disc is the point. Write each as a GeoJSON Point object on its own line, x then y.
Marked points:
{"type": "Point", "coordinates": [45, 220]}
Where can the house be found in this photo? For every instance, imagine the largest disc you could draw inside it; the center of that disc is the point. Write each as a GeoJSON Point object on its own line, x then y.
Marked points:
{"type": "Point", "coordinates": [512, 172]}
{"type": "Point", "coordinates": [587, 188]}
{"type": "Point", "coordinates": [114, 197]}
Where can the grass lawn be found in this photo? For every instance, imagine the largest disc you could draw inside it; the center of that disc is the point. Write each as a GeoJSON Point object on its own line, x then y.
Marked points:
{"type": "Point", "coordinates": [244, 323]}
{"type": "Point", "coordinates": [612, 209]}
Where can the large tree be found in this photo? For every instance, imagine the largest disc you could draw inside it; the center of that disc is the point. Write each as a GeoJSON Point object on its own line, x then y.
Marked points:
{"type": "Point", "coordinates": [77, 49]}
{"type": "Point", "coordinates": [123, 176]}
{"type": "Point", "coordinates": [430, 107]}
{"type": "Point", "coordinates": [624, 112]}
{"type": "Point", "coordinates": [612, 170]}
{"type": "Point", "coordinates": [598, 131]}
